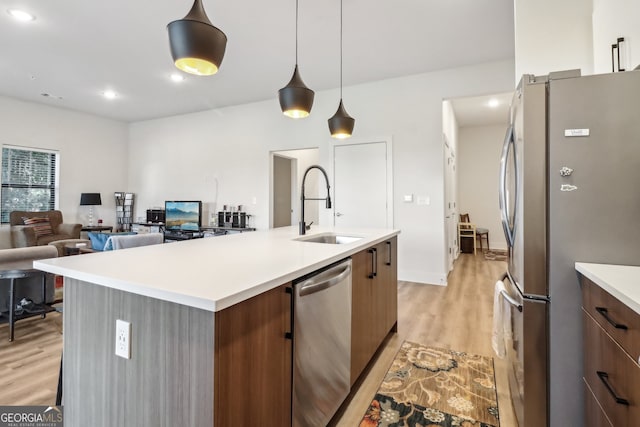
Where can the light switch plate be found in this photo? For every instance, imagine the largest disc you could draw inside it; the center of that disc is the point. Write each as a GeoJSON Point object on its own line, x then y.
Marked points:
{"type": "Point", "coordinates": [408, 198]}
{"type": "Point", "coordinates": [123, 339]}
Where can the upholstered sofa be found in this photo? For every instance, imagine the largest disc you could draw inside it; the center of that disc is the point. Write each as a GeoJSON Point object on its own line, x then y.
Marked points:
{"type": "Point", "coordinates": [40, 228]}
{"type": "Point", "coordinates": [21, 258]}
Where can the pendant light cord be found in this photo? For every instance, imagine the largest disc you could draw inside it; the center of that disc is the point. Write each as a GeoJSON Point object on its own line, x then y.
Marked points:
{"type": "Point", "coordinates": [340, 50]}
{"type": "Point", "coordinates": [297, 32]}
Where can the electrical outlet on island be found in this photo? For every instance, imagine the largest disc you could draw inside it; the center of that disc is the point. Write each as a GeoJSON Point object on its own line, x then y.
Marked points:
{"type": "Point", "coordinates": [123, 339]}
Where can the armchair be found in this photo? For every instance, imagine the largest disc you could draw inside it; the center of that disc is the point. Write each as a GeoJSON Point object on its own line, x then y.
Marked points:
{"type": "Point", "coordinates": [40, 228]}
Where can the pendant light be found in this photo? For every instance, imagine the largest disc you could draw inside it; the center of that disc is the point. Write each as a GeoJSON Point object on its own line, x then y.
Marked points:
{"type": "Point", "coordinates": [341, 124]}
{"type": "Point", "coordinates": [197, 47]}
{"type": "Point", "coordinates": [296, 99]}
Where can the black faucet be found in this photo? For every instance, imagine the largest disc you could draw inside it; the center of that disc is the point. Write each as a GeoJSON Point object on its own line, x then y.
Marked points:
{"type": "Point", "coordinates": [303, 226]}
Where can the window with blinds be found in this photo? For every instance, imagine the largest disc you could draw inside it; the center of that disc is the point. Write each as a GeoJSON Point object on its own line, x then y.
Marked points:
{"type": "Point", "coordinates": [29, 180]}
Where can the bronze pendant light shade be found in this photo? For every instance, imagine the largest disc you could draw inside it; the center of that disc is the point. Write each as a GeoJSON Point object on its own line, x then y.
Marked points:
{"type": "Point", "coordinates": [341, 124]}
{"type": "Point", "coordinates": [197, 47]}
{"type": "Point", "coordinates": [296, 99]}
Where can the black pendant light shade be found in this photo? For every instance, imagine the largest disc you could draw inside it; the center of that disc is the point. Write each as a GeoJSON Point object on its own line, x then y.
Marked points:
{"type": "Point", "coordinates": [341, 124]}
{"type": "Point", "coordinates": [296, 99]}
{"type": "Point", "coordinates": [197, 47]}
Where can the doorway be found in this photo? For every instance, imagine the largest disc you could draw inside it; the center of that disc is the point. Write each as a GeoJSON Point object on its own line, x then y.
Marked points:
{"type": "Point", "coordinates": [283, 169]}
{"type": "Point", "coordinates": [287, 168]}
{"type": "Point", "coordinates": [475, 128]}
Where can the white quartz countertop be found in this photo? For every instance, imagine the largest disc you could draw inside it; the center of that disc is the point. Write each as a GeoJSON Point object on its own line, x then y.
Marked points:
{"type": "Point", "coordinates": [213, 273]}
{"type": "Point", "coordinates": [621, 281]}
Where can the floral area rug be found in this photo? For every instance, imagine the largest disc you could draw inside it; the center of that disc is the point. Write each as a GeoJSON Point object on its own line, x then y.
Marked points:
{"type": "Point", "coordinates": [495, 255]}
{"type": "Point", "coordinates": [429, 387]}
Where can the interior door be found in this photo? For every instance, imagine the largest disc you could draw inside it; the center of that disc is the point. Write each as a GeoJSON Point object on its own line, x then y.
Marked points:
{"type": "Point", "coordinates": [362, 178]}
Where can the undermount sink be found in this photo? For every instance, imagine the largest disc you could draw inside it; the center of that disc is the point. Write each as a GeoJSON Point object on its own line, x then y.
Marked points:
{"type": "Point", "coordinates": [330, 238]}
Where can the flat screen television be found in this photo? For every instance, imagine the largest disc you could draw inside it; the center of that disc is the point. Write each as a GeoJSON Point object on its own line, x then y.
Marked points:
{"type": "Point", "coordinates": [183, 215]}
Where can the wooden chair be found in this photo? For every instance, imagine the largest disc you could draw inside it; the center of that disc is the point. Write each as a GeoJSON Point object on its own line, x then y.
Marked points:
{"type": "Point", "coordinates": [467, 229]}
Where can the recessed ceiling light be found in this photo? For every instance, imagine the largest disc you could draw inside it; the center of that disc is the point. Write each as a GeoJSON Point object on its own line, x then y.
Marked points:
{"type": "Point", "coordinates": [109, 94]}
{"type": "Point", "coordinates": [177, 77]}
{"type": "Point", "coordinates": [21, 15]}
{"type": "Point", "coordinates": [493, 103]}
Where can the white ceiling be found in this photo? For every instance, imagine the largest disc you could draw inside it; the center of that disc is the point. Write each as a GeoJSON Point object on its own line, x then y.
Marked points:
{"type": "Point", "coordinates": [77, 49]}
{"type": "Point", "coordinates": [482, 110]}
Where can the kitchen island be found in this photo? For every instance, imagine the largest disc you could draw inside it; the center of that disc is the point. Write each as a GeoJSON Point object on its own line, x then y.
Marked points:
{"type": "Point", "coordinates": [209, 321]}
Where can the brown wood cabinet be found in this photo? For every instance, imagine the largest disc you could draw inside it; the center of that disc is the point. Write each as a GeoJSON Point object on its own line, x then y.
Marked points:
{"type": "Point", "coordinates": [253, 358]}
{"type": "Point", "coordinates": [375, 301]}
{"type": "Point", "coordinates": [252, 365]}
{"type": "Point", "coordinates": [611, 370]}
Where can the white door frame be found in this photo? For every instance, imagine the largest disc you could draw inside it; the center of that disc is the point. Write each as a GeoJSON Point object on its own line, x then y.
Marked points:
{"type": "Point", "coordinates": [388, 140]}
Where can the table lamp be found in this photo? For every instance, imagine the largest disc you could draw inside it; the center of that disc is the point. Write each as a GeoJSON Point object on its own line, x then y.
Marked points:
{"type": "Point", "coordinates": [91, 200]}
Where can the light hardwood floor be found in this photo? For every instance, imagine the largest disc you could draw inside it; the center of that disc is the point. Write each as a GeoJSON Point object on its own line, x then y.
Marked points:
{"type": "Point", "coordinates": [458, 317]}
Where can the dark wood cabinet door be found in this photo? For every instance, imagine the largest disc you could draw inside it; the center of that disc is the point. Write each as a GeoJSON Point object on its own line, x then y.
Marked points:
{"type": "Point", "coordinates": [388, 285]}
{"type": "Point", "coordinates": [362, 313]}
{"type": "Point", "coordinates": [611, 375]}
{"type": "Point", "coordinates": [253, 362]}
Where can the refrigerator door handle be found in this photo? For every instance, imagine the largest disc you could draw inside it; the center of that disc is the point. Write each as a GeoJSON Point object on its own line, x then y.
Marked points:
{"type": "Point", "coordinates": [502, 190]}
{"type": "Point", "coordinates": [506, 296]}
{"type": "Point", "coordinates": [511, 301]}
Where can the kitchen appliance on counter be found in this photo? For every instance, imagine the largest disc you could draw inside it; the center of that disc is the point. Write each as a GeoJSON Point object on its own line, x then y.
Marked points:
{"type": "Point", "coordinates": [569, 191]}
{"type": "Point", "coordinates": [232, 217]}
{"type": "Point", "coordinates": [155, 216]}
{"type": "Point", "coordinates": [321, 344]}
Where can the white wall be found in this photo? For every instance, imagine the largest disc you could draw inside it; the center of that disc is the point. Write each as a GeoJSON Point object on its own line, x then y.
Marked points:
{"type": "Point", "coordinates": [553, 35]}
{"type": "Point", "coordinates": [93, 154]}
{"type": "Point", "coordinates": [478, 171]}
{"type": "Point", "coordinates": [613, 19]}
{"type": "Point", "coordinates": [182, 156]}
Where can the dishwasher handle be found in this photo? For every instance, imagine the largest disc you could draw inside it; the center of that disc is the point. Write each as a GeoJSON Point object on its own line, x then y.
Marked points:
{"type": "Point", "coordinates": [315, 284]}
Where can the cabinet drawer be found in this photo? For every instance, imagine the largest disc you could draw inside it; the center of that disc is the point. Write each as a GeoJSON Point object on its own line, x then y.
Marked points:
{"type": "Point", "coordinates": [609, 312]}
{"type": "Point", "coordinates": [611, 374]}
{"type": "Point", "coordinates": [593, 414]}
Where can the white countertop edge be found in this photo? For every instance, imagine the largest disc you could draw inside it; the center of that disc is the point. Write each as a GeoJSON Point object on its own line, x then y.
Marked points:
{"type": "Point", "coordinates": [618, 280]}
{"type": "Point", "coordinates": [224, 302]}
{"type": "Point", "coordinates": [135, 288]}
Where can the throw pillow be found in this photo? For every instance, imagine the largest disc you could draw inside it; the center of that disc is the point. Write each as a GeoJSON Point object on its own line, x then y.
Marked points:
{"type": "Point", "coordinates": [40, 225]}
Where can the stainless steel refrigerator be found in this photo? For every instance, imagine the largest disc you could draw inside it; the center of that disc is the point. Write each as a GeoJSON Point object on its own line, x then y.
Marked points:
{"type": "Point", "coordinates": [569, 191]}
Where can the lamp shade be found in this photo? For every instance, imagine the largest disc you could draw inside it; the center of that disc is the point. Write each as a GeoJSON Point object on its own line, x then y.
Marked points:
{"type": "Point", "coordinates": [90, 199]}
{"type": "Point", "coordinates": [296, 99]}
{"type": "Point", "coordinates": [197, 47]}
{"type": "Point", "coordinates": [341, 124]}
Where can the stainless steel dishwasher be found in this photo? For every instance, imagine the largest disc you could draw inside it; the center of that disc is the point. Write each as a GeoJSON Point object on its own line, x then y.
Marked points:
{"type": "Point", "coordinates": [321, 344]}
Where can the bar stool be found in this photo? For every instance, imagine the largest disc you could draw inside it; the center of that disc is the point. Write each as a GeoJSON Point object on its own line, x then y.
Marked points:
{"type": "Point", "coordinates": [14, 275]}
